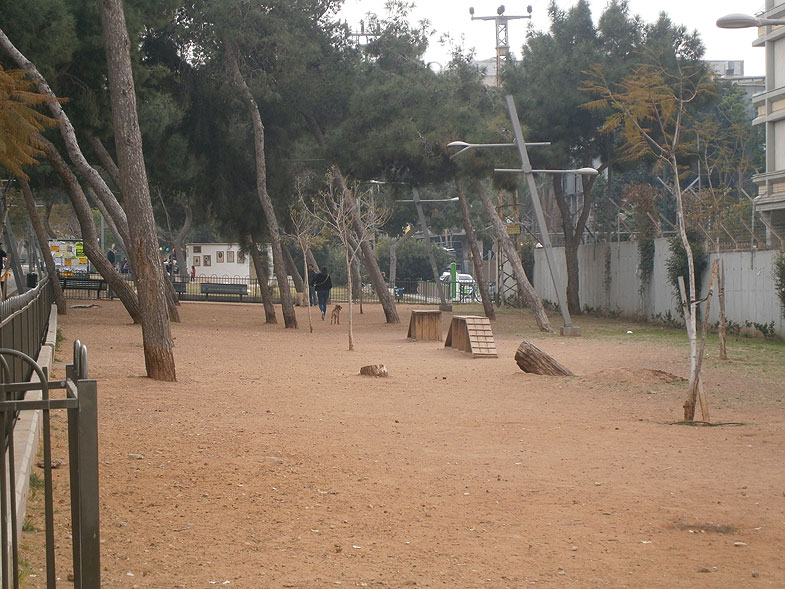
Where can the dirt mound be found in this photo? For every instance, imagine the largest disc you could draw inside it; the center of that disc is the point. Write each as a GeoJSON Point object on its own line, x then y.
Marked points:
{"type": "Point", "coordinates": [637, 376]}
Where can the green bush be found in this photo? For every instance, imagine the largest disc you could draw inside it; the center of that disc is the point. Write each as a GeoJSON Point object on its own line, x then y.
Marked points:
{"type": "Point", "coordinates": [677, 262]}
{"type": "Point", "coordinates": [779, 279]}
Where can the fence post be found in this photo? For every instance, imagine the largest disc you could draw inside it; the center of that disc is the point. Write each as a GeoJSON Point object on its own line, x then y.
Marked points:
{"type": "Point", "coordinates": [88, 487]}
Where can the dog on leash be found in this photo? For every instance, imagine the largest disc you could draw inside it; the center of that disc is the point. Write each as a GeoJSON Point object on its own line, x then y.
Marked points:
{"type": "Point", "coordinates": [335, 317]}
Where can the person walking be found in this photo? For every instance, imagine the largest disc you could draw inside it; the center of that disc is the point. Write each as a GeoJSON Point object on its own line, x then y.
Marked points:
{"type": "Point", "coordinates": [311, 288]}
{"type": "Point", "coordinates": [323, 284]}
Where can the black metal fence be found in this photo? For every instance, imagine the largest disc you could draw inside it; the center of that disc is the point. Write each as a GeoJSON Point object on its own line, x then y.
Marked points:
{"type": "Point", "coordinates": [24, 320]}
{"type": "Point", "coordinates": [80, 401]}
{"type": "Point", "coordinates": [241, 289]}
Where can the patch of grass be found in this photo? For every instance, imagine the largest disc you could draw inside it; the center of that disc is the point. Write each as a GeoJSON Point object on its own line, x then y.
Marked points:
{"type": "Point", "coordinates": [36, 485]}
{"type": "Point", "coordinates": [28, 526]}
{"type": "Point", "coordinates": [25, 570]}
{"type": "Point", "coordinates": [59, 337]}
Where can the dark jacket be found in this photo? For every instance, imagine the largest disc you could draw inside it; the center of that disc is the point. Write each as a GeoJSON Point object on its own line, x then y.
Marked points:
{"type": "Point", "coordinates": [322, 282]}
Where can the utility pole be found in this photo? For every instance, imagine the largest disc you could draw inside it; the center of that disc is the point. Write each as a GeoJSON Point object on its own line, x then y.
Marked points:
{"type": "Point", "coordinates": [502, 35]}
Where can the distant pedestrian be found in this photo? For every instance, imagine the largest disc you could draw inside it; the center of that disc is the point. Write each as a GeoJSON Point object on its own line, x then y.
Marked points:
{"type": "Point", "coordinates": [323, 284]}
{"type": "Point", "coordinates": [311, 288]}
{"type": "Point", "coordinates": [193, 273]}
{"type": "Point", "coordinates": [3, 256]}
{"type": "Point", "coordinates": [111, 256]}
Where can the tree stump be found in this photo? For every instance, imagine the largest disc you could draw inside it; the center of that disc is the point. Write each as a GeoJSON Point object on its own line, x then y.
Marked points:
{"type": "Point", "coordinates": [532, 359]}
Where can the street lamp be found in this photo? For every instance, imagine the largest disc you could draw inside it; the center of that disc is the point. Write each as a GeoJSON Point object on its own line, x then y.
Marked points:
{"type": "Point", "coordinates": [468, 146]}
{"type": "Point", "coordinates": [744, 21]}
{"type": "Point", "coordinates": [528, 172]}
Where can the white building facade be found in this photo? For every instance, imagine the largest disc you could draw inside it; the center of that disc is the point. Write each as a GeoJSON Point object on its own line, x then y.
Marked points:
{"type": "Point", "coordinates": [222, 260]}
{"type": "Point", "coordinates": [770, 106]}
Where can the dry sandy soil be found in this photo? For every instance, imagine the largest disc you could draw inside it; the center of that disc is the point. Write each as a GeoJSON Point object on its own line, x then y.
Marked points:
{"type": "Point", "coordinates": [272, 463]}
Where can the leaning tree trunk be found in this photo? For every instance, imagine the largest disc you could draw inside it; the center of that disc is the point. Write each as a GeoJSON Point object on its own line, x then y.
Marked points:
{"type": "Point", "coordinates": [394, 256]}
{"type": "Point", "coordinates": [531, 296]}
{"type": "Point", "coordinates": [149, 275]}
{"type": "Point", "coordinates": [43, 244]}
{"type": "Point", "coordinates": [89, 234]}
{"type": "Point", "coordinates": [366, 249]}
{"type": "Point", "coordinates": [108, 219]}
{"type": "Point", "coordinates": [287, 305]}
{"type": "Point", "coordinates": [291, 267]}
{"type": "Point", "coordinates": [312, 259]}
{"type": "Point", "coordinates": [49, 231]}
{"type": "Point", "coordinates": [262, 278]}
{"type": "Point", "coordinates": [479, 272]}
{"type": "Point", "coordinates": [179, 243]}
{"type": "Point", "coordinates": [69, 135]}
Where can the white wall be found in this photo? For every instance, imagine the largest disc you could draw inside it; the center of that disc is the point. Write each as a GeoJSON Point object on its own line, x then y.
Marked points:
{"type": "Point", "coordinates": [749, 283]}
{"type": "Point", "coordinates": [219, 255]}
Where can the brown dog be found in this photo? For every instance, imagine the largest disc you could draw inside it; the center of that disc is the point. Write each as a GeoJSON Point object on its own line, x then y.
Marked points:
{"type": "Point", "coordinates": [335, 317]}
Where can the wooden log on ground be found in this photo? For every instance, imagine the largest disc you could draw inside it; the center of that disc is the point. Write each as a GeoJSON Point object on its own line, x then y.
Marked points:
{"type": "Point", "coordinates": [532, 359]}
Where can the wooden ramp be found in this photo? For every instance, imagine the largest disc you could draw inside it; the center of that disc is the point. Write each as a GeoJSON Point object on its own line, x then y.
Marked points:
{"type": "Point", "coordinates": [472, 334]}
{"type": "Point", "coordinates": [425, 325]}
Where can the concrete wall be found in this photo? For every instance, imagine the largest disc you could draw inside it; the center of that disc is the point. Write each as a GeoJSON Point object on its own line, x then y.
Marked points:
{"type": "Point", "coordinates": [610, 281]}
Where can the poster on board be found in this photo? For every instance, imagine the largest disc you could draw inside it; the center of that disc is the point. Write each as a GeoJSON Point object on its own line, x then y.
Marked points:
{"type": "Point", "coordinates": [69, 256]}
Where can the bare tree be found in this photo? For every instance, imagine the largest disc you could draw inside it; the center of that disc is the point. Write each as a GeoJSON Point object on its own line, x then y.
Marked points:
{"type": "Point", "coordinates": [306, 230]}
{"type": "Point", "coordinates": [651, 106]}
{"type": "Point", "coordinates": [344, 208]}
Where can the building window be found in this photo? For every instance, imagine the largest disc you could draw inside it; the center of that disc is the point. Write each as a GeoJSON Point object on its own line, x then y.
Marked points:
{"type": "Point", "coordinates": [208, 260]}
{"type": "Point", "coordinates": [240, 258]}
{"type": "Point", "coordinates": [197, 249]}
{"type": "Point", "coordinates": [219, 257]}
{"type": "Point", "coordinates": [230, 256]}
{"type": "Point", "coordinates": [197, 260]}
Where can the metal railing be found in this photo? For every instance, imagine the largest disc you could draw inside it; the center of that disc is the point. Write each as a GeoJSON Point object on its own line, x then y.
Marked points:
{"type": "Point", "coordinates": [80, 402]}
{"type": "Point", "coordinates": [423, 292]}
{"type": "Point", "coordinates": [24, 320]}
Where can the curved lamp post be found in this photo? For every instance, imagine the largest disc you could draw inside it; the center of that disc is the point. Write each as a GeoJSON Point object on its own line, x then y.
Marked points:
{"type": "Point", "coordinates": [745, 21]}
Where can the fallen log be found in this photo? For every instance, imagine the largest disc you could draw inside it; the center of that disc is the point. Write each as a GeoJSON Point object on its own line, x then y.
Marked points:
{"type": "Point", "coordinates": [532, 359]}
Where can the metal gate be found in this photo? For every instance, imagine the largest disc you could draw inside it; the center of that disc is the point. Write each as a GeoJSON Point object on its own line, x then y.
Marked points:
{"type": "Point", "coordinates": [80, 402]}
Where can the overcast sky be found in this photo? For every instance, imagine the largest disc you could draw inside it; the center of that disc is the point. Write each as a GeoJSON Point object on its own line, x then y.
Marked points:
{"type": "Point", "coordinates": [452, 16]}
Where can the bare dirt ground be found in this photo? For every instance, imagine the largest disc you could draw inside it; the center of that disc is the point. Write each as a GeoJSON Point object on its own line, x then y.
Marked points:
{"type": "Point", "coordinates": [272, 463]}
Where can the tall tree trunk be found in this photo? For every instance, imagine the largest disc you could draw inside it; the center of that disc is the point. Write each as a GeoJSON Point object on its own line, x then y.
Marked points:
{"type": "Point", "coordinates": [291, 267]}
{"type": "Point", "coordinates": [357, 280]}
{"type": "Point", "coordinates": [573, 232]}
{"type": "Point", "coordinates": [366, 249]}
{"type": "Point", "coordinates": [108, 219]}
{"type": "Point", "coordinates": [69, 135]}
{"type": "Point", "coordinates": [264, 284]}
{"type": "Point", "coordinates": [93, 250]}
{"type": "Point", "coordinates": [394, 256]}
{"type": "Point", "coordinates": [104, 158]}
{"type": "Point", "coordinates": [690, 299]}
{"type": "Point", "coordinates": [531, 296]}
{"type": "Point", "coordinates": [307, 296]}
{"type": "Point", "coordinates": [149, 273]}
{"type": "Point", "coordinates": [43, 244]}
{"type": "Point", "coordinates": [49, 231]}
{"type": "Point", "coordinates": [179, 243]}
{"type": "Point", "coordinates": [429, 248]}
{"type": "Point", "coordinates": [479, 272]}
{"type": "Point", "coordinates": [349, 289]}
{"type": "Point", "coordinates": [287, 305]}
